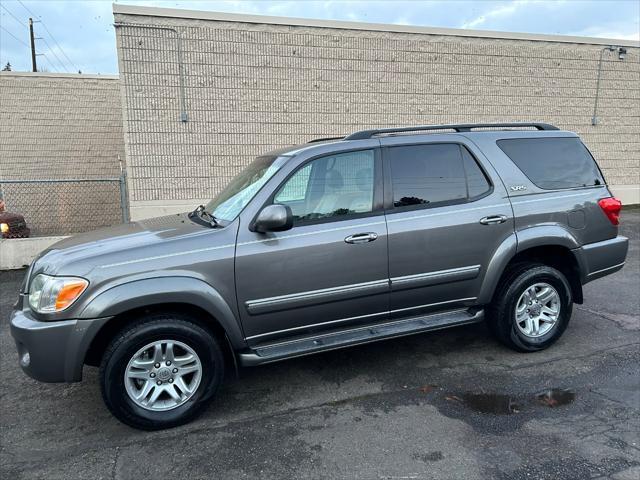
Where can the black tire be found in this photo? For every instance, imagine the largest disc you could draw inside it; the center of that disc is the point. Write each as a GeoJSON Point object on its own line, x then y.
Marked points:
{"type": "Point", "coordinates": [144, 331]}
{"type": "Point", "coordinates": [501, 313]}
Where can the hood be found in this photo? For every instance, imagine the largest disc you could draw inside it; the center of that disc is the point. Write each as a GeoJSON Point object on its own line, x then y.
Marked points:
{"type": "Point", "coordinates": [106, 244]}
{"type": "Point", "coordinates": [7, 217]}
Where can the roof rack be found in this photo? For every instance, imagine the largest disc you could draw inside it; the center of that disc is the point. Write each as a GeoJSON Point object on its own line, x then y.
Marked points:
{"type": "Point", "coordinates": [459, 127]}
{"type": "Point", "coordinates": [325, 139]}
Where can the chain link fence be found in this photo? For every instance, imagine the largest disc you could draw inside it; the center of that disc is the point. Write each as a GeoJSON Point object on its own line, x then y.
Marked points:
{"type": "Point", "coordinates": [63, 207]}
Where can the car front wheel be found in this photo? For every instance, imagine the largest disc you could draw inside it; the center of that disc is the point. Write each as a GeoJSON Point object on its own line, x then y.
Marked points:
{"type": "Point", "coordinates": [161, 372]}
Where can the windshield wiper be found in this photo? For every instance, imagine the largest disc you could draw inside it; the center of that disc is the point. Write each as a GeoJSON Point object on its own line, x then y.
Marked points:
{"type": "Point", "coordinates": [201, 213]}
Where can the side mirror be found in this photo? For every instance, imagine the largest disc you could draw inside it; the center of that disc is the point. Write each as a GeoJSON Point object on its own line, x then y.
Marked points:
{"type": "Point", "coordinates": [273, 218]}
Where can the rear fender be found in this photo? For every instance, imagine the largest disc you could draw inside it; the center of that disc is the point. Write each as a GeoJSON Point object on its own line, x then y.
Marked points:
{"type": "Point", "coordinates": [542, 235]}
{"type": "Point", "coordinates": [538, 236]}
{"type": "Point", "coordinates": [499, 261]}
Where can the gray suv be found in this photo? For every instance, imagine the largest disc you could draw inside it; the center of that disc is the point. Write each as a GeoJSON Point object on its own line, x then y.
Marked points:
{"type": "Point", "coordinates": [330, 244]}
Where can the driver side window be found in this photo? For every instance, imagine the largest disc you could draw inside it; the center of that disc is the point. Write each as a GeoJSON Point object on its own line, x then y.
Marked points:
{"type": "Point", "coordinates": [334, 186]}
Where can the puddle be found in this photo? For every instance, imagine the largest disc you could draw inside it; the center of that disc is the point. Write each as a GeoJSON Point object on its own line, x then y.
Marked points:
{"type": "Point", "coordinates": [500, 404]}
{"type": "Point", "coordinates": [493, 403]}
{"type": "Point", "coordinates": [556, 397]}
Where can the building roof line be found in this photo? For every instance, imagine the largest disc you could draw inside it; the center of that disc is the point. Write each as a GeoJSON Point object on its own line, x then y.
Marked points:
{"type": "Point", "coordinates": [79, 76]}
{"type": "Point", "coordinates": [349, 25]}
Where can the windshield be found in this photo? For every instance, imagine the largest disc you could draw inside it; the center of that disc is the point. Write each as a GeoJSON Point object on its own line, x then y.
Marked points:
{"type": "Point", "coordinates": [235, 196]}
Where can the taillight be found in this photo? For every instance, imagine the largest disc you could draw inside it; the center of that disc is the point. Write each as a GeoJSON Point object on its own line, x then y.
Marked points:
{"type": "Point", "coordinates": [611, 207]}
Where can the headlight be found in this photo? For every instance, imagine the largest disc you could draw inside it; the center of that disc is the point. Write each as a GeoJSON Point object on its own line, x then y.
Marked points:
{"type": "Point", "coordinates": [53, 294]}
{"type": "Point", "coordinates": [4, 227]}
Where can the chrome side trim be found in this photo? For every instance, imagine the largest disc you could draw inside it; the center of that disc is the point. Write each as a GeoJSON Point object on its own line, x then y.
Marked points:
{"type": "Point", "coordinates": [314, 232]}
{"type": "Point", "coordinates": [618, 266]}
{"type": "Point", "coordinates": [168, 255]}
{"type": "Point", "coordinates": [557, 197]}
{"type": "Point", "coordinates": [448, 212]}
{"type": "Point", "coordinates": [461, 210]}
{"type": "Point", "coordinates": [434, 278]}
{"type": "Point", "coordinates": [342, 320]}
{"type": "Point", "coordinates": [314, 297]}
{"type": "Point", "coordinates": [207, 249]}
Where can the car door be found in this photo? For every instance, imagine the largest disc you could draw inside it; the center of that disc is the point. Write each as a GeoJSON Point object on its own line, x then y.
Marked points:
{"type": "Point", "coordinates": [330, 270]}
{"type": "Point", "coordinates": [447, 213]}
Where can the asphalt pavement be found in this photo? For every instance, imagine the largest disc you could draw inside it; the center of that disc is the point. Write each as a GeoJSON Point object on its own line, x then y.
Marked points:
{"type": "Point", "coordinates": [452, 404]}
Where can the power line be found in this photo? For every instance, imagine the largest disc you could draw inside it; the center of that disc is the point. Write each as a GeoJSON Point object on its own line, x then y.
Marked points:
{"type": "Point", "coordinates": [14, 17]}
{"type": "Point", "coordinates": [17, 39]}
{"type": "Point", "coordinates": [54, 54]}
{"type": "Point", "coordinates": [48, 61]}
{"type": "Point", "coordinates": [25, 7]}
{"type": "Point", "coordinates": [73, 65]}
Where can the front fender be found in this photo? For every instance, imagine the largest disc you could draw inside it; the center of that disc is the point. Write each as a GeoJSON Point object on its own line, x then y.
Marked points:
{"type": "Point", "coordinates": [159, 290]}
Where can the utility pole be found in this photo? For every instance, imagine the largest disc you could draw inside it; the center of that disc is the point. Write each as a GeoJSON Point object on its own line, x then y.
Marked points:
{"type": "Point", "coordinates": [33, 46]}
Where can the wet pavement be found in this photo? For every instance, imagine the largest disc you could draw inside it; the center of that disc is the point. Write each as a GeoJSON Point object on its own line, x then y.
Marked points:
{"type": "Point", "coordinates": [445, 405]}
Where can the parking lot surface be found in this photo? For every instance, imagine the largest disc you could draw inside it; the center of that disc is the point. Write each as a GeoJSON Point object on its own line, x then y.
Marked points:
{"type": "Point", "coordinates": [451, 404]}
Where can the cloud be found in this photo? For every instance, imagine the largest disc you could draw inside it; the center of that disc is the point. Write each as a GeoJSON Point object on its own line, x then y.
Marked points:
{"type": "Point", "coordinates": [495, 12]}
{"type": "Point", "coordinates": [615, 30]}
{"type": "Point", "coordinates": [612, 34]}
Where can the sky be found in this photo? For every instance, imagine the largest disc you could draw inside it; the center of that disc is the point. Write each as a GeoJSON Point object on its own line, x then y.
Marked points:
{"type": "Point", "coordinates": [73, 35]}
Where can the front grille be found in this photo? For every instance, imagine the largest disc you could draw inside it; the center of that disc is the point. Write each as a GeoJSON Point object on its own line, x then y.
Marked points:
{"type": "Point", "coordinates": [17, 225]}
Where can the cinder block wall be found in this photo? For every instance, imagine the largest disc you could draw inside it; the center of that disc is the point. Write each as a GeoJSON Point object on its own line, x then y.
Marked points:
{"type": "Point", "coordinates": [55, 125]}
{"type": "Point", "coordinates": [250, 87]}
{"type": "Point", "coordinates": [61, 126]}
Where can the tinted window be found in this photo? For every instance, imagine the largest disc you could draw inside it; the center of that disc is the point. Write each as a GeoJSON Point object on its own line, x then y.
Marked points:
{"type": "Point", "coordinates": [476, 179]}
{"type": "Point", "coordinates": [434, 174]}
{"type": "Point", "coordinates": [332, 186]}
{"type": "Point", "coordinates": [553, 162]}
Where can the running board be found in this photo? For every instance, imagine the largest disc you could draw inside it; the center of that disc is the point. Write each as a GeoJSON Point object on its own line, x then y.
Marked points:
{"type": "Point", "coordinates": [346, 338]}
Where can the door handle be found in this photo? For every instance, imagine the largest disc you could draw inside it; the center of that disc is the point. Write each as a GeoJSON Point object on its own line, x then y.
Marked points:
{"type": "Point", "coordinates": [493, 219]}
{"type": "Point", "coordinates": [361, 238]}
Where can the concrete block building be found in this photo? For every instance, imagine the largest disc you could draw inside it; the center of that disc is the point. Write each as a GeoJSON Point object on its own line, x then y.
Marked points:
{"type": "Point", "coordinates": [53, 127]}
{"type": "Point", "coordinates": [205, 92]}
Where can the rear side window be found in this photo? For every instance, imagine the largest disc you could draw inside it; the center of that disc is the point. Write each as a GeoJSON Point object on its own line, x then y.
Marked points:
{"type": "Point", "coordinates": [434, 174]}
{"type": "Point", "coordinates": [477, 182]}
{"type": "Point", "coordinates": [552, 163]}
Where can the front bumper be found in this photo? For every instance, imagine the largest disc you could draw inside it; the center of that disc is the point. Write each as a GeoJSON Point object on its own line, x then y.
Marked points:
{"type": "Point", "coordinates": [53, 351]}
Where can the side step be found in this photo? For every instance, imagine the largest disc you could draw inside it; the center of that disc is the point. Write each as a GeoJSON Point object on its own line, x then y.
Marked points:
{"type": "Point", "coordinates": [346, 338]}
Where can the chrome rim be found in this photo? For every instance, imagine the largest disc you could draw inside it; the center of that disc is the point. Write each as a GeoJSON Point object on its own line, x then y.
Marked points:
{"type": "Point", "coordinates": [537, 310]}
{"type": "Point", "coordinates": [163, 375]}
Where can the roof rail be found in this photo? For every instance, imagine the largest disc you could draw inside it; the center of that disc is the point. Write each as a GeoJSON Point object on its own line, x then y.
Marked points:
{"type": "Point", "coordinates": [458, 127]}
{"type": "Point", "coordinates": [325, 139]}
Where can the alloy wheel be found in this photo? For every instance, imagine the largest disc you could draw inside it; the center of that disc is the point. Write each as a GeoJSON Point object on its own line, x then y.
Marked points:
{"type": "Point", "coordinates": [537, 310]}
{"type": "Point", "coordinates": [163, 375]}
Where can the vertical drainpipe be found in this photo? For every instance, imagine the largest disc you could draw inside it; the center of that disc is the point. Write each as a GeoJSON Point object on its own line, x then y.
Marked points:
{"type": "Point", "coordinates": [622, 52]}
{"type": "Point", "coordinates": [183, 98]}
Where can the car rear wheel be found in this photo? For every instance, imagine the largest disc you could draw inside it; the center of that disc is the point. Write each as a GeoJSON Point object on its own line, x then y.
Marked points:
{"type": "Point", "coordinates": [531, 308]}
{"type": "Point", "coordinates": [161, 372]}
